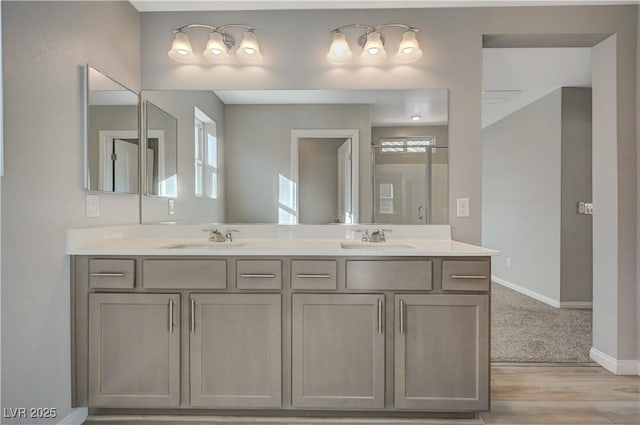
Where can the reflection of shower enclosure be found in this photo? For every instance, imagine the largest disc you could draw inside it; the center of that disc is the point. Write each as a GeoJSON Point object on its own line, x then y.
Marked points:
{"type": "Point", "coordinates": [410, 181]}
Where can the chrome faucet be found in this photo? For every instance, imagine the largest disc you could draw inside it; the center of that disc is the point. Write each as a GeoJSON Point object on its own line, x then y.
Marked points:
{"type": "Point", "coordinates": [214, 235]}
{"type": "Point", "coordinates": [378, 235]}
{"type": "Point", "coordinates": [365, 234]}
{"type": "Point", "coordinates": [227, 235]}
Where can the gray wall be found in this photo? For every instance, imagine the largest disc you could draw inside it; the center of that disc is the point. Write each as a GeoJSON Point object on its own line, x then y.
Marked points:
{"type": "Point", "coordinates": [521, 198]}
{"type": "Point", "coordinates": [189, 208]}
{"type": "Point", "coordinates": [318, 180]}
{"type": "Point", "coordinates": [45, 46]}
{"type": "Point", "coordinates": [638, 189]}
{"type": "Point", "coordinates": [577, 235]}
{"type": "Point", "coordinates": [258, 149]}
{"type": "Point", "coordinates": [112, 117]}
{"type": "Point", "coordinates": [537, 166]}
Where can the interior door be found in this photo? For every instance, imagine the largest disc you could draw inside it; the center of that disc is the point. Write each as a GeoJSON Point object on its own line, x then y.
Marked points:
{"type": "Point", "coordinates": [345, 204]}
{"type": "Point", "coordinates": [125, 166]}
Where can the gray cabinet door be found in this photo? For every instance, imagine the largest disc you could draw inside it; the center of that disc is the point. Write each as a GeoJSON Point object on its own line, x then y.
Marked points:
{"type": "Point", "coordinates": [235, 349]}
{"type": "Point", "coordinates": [338, 351]}
{"type": "Point", "coordinates": [442, 352]}
{"type": "Point", "coordinates": [134, 350]}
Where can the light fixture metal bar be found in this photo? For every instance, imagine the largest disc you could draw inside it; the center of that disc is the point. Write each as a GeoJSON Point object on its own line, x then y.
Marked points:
{"type": "Point", "coordinates": [219, 29]}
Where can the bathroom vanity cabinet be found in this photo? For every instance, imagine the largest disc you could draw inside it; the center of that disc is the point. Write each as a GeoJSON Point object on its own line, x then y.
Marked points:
{"type": "Point", "coordinates": [339, 334]}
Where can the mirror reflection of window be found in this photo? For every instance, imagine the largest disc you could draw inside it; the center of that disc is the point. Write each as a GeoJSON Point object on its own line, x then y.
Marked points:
{"type": "Point", "coordinates": [205, 156]}
{"type": "Point", "coordinates": [161, 152]}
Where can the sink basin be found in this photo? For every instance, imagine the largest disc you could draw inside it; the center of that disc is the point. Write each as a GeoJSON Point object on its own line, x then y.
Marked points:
{"type": "Point", "coordinates": [212, 245]}
{"type": "Point", "coordinates": [377, 246]}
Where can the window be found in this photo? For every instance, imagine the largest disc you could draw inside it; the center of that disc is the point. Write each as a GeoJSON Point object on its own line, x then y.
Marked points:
{"type": "Point", "coordinates": [206, 156]}
{"type": "Point", "coordinates": [409, 145]}
{"type": "Point", "coordinates": [199, 149]}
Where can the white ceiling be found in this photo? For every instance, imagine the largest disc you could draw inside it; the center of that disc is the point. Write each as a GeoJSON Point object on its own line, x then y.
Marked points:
{"type": "Point", "coordinates": [513, 78]}
{"type": "Point", "coordinates": [104, 91]}
{"type": "Point", "coordinates": [192, 5]}
{"type": "Point", "coordinates": [388, 107]}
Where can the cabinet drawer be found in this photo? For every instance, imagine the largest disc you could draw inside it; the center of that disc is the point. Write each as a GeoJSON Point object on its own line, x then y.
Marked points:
{"type": "Point", "coordinates": [389, 274]}
{"type": "Point", "coordinates": [313, 274]}
{"type": "Point", "coordinates": [259, 274]}
{"type": "Point", "coordinates": [111, 274]}
{"type": "Point", "coordinates": [466, 275]}
{"type": "Point", "coordinates": [184, 274]}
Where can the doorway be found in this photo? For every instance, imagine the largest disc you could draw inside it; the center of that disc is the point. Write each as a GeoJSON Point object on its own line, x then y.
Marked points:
{"type": "Point", "coordinates": [537, 171]}
{"type": "Point", "coordinates": [324, 176]}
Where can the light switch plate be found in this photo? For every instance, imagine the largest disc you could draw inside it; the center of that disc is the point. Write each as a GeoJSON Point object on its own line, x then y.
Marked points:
{"type": "Point", "coordinates": [172, 206]}
{"type": "Point", "coordinates": [463, 207]}
{"type": "Point", "coordinates": [93, 206]}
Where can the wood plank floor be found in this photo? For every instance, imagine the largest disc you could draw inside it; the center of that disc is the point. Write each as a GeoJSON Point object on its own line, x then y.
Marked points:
{"type": "Point", "coordinates": [522, 394]}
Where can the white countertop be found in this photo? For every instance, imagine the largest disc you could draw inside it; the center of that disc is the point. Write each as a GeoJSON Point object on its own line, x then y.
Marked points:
{"type": "Point", "coordinates": [148, 240]}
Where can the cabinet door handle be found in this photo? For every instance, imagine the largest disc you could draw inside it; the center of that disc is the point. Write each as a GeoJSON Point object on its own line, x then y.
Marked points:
{"type": "Point", "coordinates": [171, 316]}
{"type": "Point", "coordinates": [401, 317]}
{"type": "Point", "coordinates": [193, 315]}
{"type": "Point", "coordinates": [258, 276]}
{"type": "Point", "coordinates": [468, 276]}
{"type": "Point", "coordinates": [379, 316]}
{"type": "Point", "coordinates": [107, 274]}
{"type": "Point", "coordinates": [313, 276]}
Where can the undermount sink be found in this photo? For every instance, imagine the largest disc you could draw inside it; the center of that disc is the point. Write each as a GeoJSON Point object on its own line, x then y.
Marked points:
{"type": "Point", "coordinates": [377, 246]}
{"type": "Point", "coordinates": [210, 245]}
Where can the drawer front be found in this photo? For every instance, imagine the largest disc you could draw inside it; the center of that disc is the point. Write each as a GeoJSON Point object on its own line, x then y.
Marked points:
{"type": "Point", "coordinates": [466, 275]}
{"type": "Point", "coordinates": [184, 274]}
{"type": "Point", "coordinates": [112, 274]}
{"type": "Point", "coordinates": [389, 275]}
{"type": "Point", "coordinates": [259, 274]}
{"type": "Point", "coordinates": [314, 274]}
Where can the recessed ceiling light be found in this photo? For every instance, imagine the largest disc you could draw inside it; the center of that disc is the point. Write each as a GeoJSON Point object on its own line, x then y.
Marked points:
{"type": "Point", "coordinates": [416, 117]}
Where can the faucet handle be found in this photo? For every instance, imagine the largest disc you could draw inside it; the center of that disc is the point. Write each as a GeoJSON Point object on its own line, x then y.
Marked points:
{"type": "Point", "coordinates": [227, 235]}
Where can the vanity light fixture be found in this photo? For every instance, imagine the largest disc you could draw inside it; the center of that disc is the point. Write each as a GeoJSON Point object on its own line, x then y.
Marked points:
{"type": "Point", "coordinates": [220, 45]}
{"type": "Point", "coordinates": [372, 44]}
{"type": "Point", "coordinates": [416, 117]}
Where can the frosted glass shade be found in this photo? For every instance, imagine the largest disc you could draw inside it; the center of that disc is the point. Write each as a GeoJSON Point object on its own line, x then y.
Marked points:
{"type": "Point", "coordinates": [409, 49]}
{"type": "Point", "coordinates": [373, 51]}
{"type": "Point", "coordinates": [216, 50]}
{"type": "Point", "coordinates": [181, 49]}
{"type": "Point", "coordinates": [249, 49]}
{"type": "Point", "coordinates": [339, 51]}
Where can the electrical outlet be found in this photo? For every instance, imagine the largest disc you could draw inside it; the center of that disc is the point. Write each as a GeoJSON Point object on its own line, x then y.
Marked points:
{"type": "Point", "coordinates": [463, 207]}
{"type": "Point", "coordinates": [93, 206]}
{"type": "Point", "coordinates": [508, 262]}
{"type": "Point", "coordinates": [172, 206]}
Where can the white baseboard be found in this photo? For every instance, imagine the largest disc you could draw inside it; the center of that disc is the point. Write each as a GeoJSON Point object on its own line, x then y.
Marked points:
{"type": "Point", "coordinates": [527, 292]}
{"type": "Point", "coordinates": [586, 305]}
{"type": "Point", "coordinates": [613, 365]}
{"type": "Point", "coordinates": [76, 417]}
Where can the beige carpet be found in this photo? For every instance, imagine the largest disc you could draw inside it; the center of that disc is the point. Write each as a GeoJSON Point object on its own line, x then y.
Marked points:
{"type": "Point", "coordinates": [526, 330]}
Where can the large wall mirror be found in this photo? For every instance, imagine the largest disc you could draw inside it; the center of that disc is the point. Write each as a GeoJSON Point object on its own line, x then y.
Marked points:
{"type": "Point", "coordinates": [306, 156]}
{"type": "Point", "coordinates": [112, 135]}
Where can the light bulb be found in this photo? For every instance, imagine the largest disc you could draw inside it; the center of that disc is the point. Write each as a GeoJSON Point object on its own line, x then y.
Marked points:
{"type": "Point", "coordinates": [416, 117]}
{"type": "Point", "coordinates": [249, 49]}
{"type": "Point", "coordinates": [409, 49]}
{"type": "Point", "coordinates": [181, 49]}
{"type": "Point", "coordinates": [373, 51]}
{"type": "Point", "coordinates": [339, 51]}
{"type": "Point", "coordinates": [216, 49]}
